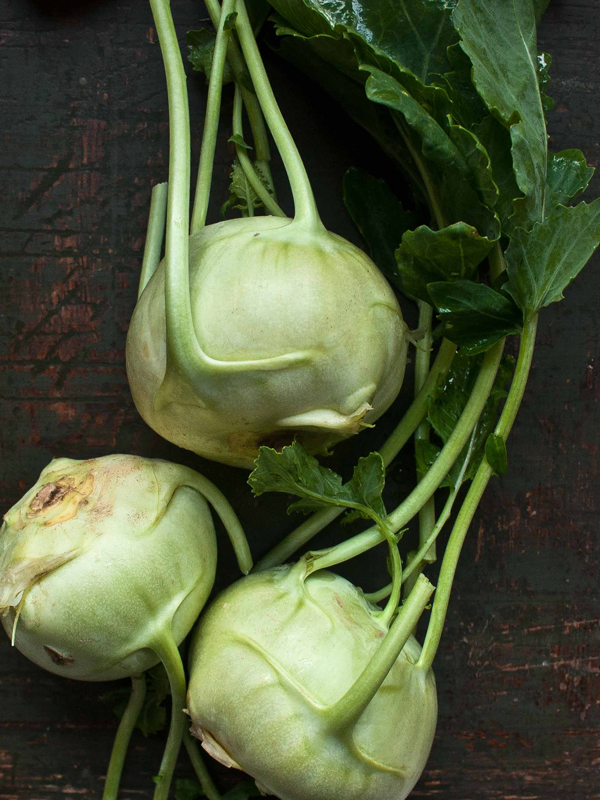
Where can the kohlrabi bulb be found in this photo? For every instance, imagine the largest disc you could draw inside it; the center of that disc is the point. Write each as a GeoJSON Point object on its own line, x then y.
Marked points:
{"type": "Point", "coordinates": [296, 333]}
{"type": "Point", "coordinates": [103, 561]}
{"type": "Point", "coordinates": [270, 659]}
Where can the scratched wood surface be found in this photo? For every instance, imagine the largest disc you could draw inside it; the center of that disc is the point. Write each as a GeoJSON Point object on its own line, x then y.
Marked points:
{"type": "Point", "coordinates": [84, 137]}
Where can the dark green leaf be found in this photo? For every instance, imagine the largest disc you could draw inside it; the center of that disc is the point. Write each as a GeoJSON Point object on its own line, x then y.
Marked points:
{"type": "Point", "coordinates": [239, 140]}
{"type": "Point", "coordinates": [476, 316]}
{"type": "Point", "coordinates": [496, 140]}
{"type": "Point", "coordinates": [416, 35]}
{"type": "Point", "coordinates": [201, 46]}
{"type": "Point", "coordinates": [187, 789]}
{"type": "Point", "coordinates": [500, 39]}
{"type": "Point", "coordinates": [544, 61]}
{"type": "Point", "coordinates": [495, 453]}
{"type": "Point", "coordinates": [153, 716]}
{"type": "Point", "coordinates": [568, 176]}
{"type": "Point", "coordinates": [294, 471]}
{"type": "Point", "coordinates": [540, 7]}
{"type": "Point", "coordinates": [426, 256]}
{"type": "Point", "coordinates": [447, 404]}
{"type": "Point", "coordinates": [242, 791]}
{"type": "Point", "coordinates": [379, 216]}
{"type": "Point", "coordinates": [230, 20]}
{"type": "Point", "coordinates": [543, 262]}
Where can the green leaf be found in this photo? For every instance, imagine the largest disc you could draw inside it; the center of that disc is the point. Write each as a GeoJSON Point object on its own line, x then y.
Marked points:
{"type": "Point", "coordinates": [414, 34]}
{"type": "Point", "coordinates": [495, 453]}
{"type": "Point", "coordinates": [568, 176]}
{"type": "Point", "coordinates": [242, 791]}
{"type": "Point", "coordinates": [541, 263]}
{"type": "Point", "coordinates": [239, 140]}
{"type": "Point", "coordinates": [500, 40]}
{"type": "Point", "coordinates": [476, 316]}
{"type": "Point", "coordinates": [426, 256]}
{"type": "Point", "coordinates": [496, 140]}
{"type": "Point", "coordinates": [544, 61]}
{"type": "Point", "coordinates": [201, 46]}
{"type": "Point", "coordinates": [447, 404]}
{"type": "Point", "coordinates": [294, 471]}
{"type": "Point", "coordinates": [379, 216]}
{"type": "Point", "coordinates": [241, 194]}
{"type": "Point", "coordinates": [187, 789]}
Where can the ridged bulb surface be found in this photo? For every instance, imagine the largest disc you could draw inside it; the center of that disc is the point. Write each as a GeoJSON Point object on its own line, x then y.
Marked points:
{"type": "Point", "coordinates": [316, 318]}
{"type": "Point", "coordinates": [100, 559]}
{"type": "Point", "coordinates": [271, 656]}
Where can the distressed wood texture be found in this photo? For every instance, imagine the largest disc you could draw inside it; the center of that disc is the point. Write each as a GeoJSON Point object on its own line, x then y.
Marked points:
{"type": "Point", "coordinates": [84, 138]}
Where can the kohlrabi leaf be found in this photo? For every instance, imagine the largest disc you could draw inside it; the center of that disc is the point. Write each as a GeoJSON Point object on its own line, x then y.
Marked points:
{"type": "Point", "coordinates": [496, 139]}
{"type": "Point", "coordinates": [544, 61]}
{"type": "Point", "coordinates": [452, 173]}
{"type": "Point", "coordinates": [568, 176]}
{"type": "Point", "coordinates": [541, 263]}
{"type": "Point", "coordinates": [153, 716]}
{"type": "Point", "coordinates": [293, 471]}
{"type": "Point", "coordinates": [239, 141]}
{"type": "Point", "coordinates": [500, 39]}
{"type": "Point", "coordinates": [426, 256]}
{"type": "Point", "coordinates": [495, 453]}
{"type": "Point", "coordinates": [241, 193]}
{"type": "Point", "coordinates": [476, 316]}
{"type": "Point", "coordinates": [379, 216]}
{"type": "Point", "coordinates": [201, 46]}
{"type": "Point", "coordinates": [446, 405]}
{"type": "Point", "coordinates": [416, 35]}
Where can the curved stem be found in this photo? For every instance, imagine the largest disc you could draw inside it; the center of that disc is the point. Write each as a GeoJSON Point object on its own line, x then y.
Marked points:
{"type": "Point", "coordinates": [467, 511]}
{"type": "Point", "coordinates": [427, 513]}
{"type": "Point", "coordinates": [203, 775]}
{"type": "Point", "coordinates": [396, 586]}
{"type": "Point", "coordinates": [228, 517]}
{"type": "Point", "coordinates": [436, 473]}
{"type": "Point", "coordinates": [121, 743]}
{"type": "Point", "coordinates": [390, 449]}
{"type": "Point", "coordinates": [154, 234]}
{"type": "Point", "coordinates": [211, 120]}
{"type": "Point", "coordinates": [347, 710]}
{"type": "Point", "coordinates": [254, 180]}
{"type": "Point", "coordinates": [305, 209]}
{"type": "Point", "coordinates": [166, 649]}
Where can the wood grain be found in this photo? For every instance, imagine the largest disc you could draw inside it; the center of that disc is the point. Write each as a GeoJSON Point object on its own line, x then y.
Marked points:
{"type": "Point", "coordinates": [85, 136]}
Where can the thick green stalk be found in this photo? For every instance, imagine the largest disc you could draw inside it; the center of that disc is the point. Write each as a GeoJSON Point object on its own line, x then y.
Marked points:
{"type": "Point", "coordinates": [208, 786]}
{"type": "Point", "coordinates": [154, 234]}
{"type": "Point", "coordinates": [390, 449]}
{"type": "Point", "coordinates": [305, 209]}
{"type": "Point", "coordinates": [166, 649]}
{"type": "Point", "coordinates": [467, 511]}
{"type": "Point", "coordinates": [261, 190]}
{"type": "Point", "coordinates": [121, 743]}
{"type": "Point", "coordinates": [211, 120]}
{"type": "Point", "coordinates": [344, 714]}
{"type": "Point", "coordinates": [436, 473]}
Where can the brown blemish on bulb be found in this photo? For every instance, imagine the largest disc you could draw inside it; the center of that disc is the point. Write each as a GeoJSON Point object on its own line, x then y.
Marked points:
{"type": "Point", "coordinates": [48, 496]}
{"type": "Point", "coordinates": [59, 659]}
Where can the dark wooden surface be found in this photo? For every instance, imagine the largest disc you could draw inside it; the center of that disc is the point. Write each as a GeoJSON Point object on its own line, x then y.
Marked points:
{"type": "Point", "coordinates": [84, 136]}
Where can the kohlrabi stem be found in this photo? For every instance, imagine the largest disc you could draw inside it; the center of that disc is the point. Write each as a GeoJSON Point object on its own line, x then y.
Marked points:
{"type": "Point", "coordinates": [208, 786]}
{"type": "Point", "coordinates": [253, 179]}
{"type": "Point", "coordinates": [166, 649]}
{"type": "Point", "coordinates": [467, 511]}
{"type": "Point", "coordinates": [305, 209]}
{"type": "Point", "coordinates": [228, 517]}
{"type": "Point", "coordinates": [435, 475]}
{"type": "Point", "coordinates": [422, 359]}
{"type": "Point", "coordinates": [345, 713]}
{"type": "Point", "coordinates": [211, 120]}
{"type": "Point", "coordinates": [390, 449]}
{"type": "Point", "coordinates": [154, 234]}
{"type": "Point", "coordinates": [420, 554]}
{"type": "Point", "coordinates": [121, 743]}
{"type": "Point", "coordinates": [255, 117]}
{"type": "Point", "coordinates": [396, 586]}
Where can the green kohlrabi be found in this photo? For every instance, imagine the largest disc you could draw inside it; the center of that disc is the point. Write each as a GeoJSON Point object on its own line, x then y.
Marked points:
{"type": "Point", "coordinates": [256, 330]}
{"type": "Point", "coordinates": [298, 681]}
{"type": "Point", "coordinates": [105, 565]}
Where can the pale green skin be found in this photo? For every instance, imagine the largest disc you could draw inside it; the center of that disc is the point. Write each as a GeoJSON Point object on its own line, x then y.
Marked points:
{"type": "Point", "coordinates": [264, 288]}
{"type": "Point", "coordinates": [132, 566]}
{"type": "Point", "coordinates": [271, 655]}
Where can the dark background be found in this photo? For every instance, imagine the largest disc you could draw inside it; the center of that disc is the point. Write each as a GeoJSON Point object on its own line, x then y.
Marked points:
{"type": "Point", "coordinates": [84, 137]}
